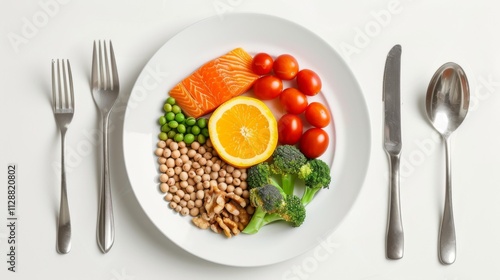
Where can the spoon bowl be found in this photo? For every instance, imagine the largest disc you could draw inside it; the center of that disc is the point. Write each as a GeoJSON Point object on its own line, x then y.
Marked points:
{"type": "Point", "coordinates": [447, 104]}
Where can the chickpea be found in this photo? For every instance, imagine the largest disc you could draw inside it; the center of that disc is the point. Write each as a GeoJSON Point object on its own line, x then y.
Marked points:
{"type": "Point", "coordinates": [181, 145]}
{"type": "Point", "coordinates": [184, 211]}
{"type": "Point", "coordinates": [172, 204]}
{"type": "Point", "coordinates": [177, 170]}
{"type": "Point", "coordinates": [168, 197]}
{"type": "Point", "coordinates": [194, 212]}
{"type": "Point", "coordinates": [198, 203]}
{"type": "Point", "coordinates": [176, 154]}
{"type": "Point", "coordinates": [183, 203]}
{"type": "Point", "coordinates": [178, 208]}
{"type": "Point", "coordinates": [163, 178]}
{"type": "Point", "coordinates": [170, 162]}
{"type": "Point", "coordinates": [167, 153]}
{"type": "Point", "coordinates": [230, 168]}
{"type": "Point", "coordinates": [202, 150]}
{"type": "Point", "coordinates": [195, 145]}
{"type": "Point", "coordinates": [173, 146]}
{"type": "Point", "coordinates": [222, 186]}
{"type": "Point", "coordinates": [183, 150]}
{"type": "Point", "coordinates": [171, 181]}
{"type": "Point", "coordinates": [180, 193]}
{"type": "Point", "coordinates": [200, 194]}
{"type": "Point", "coordinates": [190, 204]}
{"type": "Point", "coordinates": [191, 153]}
{"type": "Point", "coordinates": [216, 167]}
{"type": "Point", "coordinates": [238, 191]}
{"type": "Point", "coordinates": [170, 172]}
{"type": "Point", "coordinates": [236, 181]}
{"type": "Point", "coordinates": [230, 189]}
{"type": "Point", "coordinates": [184, 158]}
{"type": "Point", "coordinates": [236, 173]}
{"type": "Point", "coordinates": [229, 179]}
{"type": "Point", "coordinates": [202, 161]}
{"type": "Point", "coordinates": [176, 199]}
{"type": "Point", "coordinates": [189, 188]}
{"type": "Point", "coordinates": [186, 167]}
{"type": "Point", "coordinates": [162, 144]}
{"type": "Point", "coordinates": [162, 160]}
{"type": "Point", "coordinates": [200, 171]}
{"type": "Point", "coordinates": [173, 189]}
{"type": "Point", "coordinates": [164, 187]}
{"type": "Point", "coordinates": [183, 176]}
{"type": "Point", "coordinates": [196, 165]}
{"type": "Point", "coordinates": [183, 184]}
{"type": "Point", "coordinates": [159, 152]}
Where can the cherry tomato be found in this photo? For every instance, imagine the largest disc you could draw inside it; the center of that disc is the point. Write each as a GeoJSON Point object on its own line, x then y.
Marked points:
{"type": "Point", "coordinates": [262, 64]}
{"type": "Point", "coordinates": [314, 142]}
{"type": "Point", "coordinates": [285, 67]}
{"type": "Point", "coordinates": [294, 101]}
{"type": "Point", "coordinates": [267, 87]}
{"type": "Point", "coordinates": [308, 82]}
{"type": "Point", "coordinates": [289, 129]}
{"type": "Point", "coordinates": [317, 114]}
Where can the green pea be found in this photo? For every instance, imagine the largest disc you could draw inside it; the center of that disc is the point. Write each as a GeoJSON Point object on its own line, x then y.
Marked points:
{"type": "Point", "coordinates": [165, 128]}
{"type": "Point", "coordinates": [190, 121]}
{"type": "Point", "coordinates": [170, 100]}
{"type": "Point", "coordinates": [162, 120]}
{"type": "Point", "coordinates": [173, 124]}
{"type": "Point", "coordinates": [205, 132]}
{"type": "Point", "coordinates": [201, 139]}
{"type": "Point", "coordinates": [170, 116]}
{"type": "Point", "coordinates": [179, 117]}
{"type": "Point", "coordinates": [189, 138]}
{"type": "Point", "coordinates": [178, 137]}
{"type": "Point", "coordinates": [171, 134]}
{"type": "Point", "coordinates": [167, 107]}
{"type": "Point", "coordinates": [163, 136]}
{"type": "Point", "coordinates": [176, 109]}
{"type": "Point", "coordinates": [181, 128]}
{"type": "Point", "coordinates": [195, 130]}
{"type": "Point", "coordinates": [202, 122]}
{"type": "Point", "coordinates": [188, 129]}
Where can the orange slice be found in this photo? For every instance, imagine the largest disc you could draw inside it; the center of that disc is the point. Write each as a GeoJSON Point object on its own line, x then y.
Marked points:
{"type": "Point", "coordinates": [243, 131]}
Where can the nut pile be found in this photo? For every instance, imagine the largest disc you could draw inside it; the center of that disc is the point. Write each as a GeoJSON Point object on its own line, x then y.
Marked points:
{"type": "Point", "coordinates": [196, 182]}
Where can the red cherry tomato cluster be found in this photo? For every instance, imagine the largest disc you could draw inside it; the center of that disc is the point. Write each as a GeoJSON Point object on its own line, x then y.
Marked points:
{"type": "Point", "coordinates": [314, 141]}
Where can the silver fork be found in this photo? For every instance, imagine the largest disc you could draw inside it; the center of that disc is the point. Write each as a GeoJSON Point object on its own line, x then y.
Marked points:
{"type": "Point", "coordinates": [63, 103]}
{"type": "Point", "coordinates": [105, 89]}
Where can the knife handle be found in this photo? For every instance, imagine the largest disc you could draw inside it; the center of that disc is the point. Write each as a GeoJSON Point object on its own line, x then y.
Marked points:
{"type": "Point", "coordinates": [395, 235]}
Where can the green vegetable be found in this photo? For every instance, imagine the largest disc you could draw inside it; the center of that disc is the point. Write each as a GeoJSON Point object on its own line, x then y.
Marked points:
{"type": "Point", "coordinates": [272, 204]}
{"type": "Point", "coordinates": [175, 125]}
{"type": "Point", "coordinates": [287, 160]}
{"type": "Point", "coordinates": [316, 175]}
{"type": "Point", "coordinates": [258, 175]}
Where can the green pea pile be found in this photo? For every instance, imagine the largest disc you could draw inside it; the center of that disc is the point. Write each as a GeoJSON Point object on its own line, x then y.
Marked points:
{"type": "Point", "coordinates": [176, 126]}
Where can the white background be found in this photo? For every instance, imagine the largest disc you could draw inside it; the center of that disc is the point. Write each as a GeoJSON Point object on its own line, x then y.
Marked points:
{"type": "Point", "coordinates": [430, 32]}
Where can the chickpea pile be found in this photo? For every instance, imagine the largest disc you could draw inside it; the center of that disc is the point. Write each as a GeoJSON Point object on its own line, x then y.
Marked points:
{"type": "Point", "coordinates": [196, 182]}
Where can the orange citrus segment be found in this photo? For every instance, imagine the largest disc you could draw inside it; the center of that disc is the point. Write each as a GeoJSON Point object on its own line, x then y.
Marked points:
{"type": "Point", "coordinates": [243, 131]}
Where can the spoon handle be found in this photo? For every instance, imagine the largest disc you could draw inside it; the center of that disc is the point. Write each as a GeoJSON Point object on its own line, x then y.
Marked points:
{"type": "Point", "coordinates": [447, 240]}
{"type": "Point", "coordinates": [395, 236]}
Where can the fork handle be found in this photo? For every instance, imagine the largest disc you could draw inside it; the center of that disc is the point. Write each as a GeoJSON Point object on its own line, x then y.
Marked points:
{"type": "Point", "coordinates": [64, 221]}
{"type": "Point", "coordinates": [105, 224]}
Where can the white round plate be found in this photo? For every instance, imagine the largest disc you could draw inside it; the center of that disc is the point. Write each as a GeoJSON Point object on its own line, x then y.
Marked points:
{"type": "Point", "coordinates": [350, 139]}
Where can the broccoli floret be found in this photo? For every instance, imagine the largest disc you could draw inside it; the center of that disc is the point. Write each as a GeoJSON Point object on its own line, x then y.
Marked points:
{"type": "Point", "coordinates": [266, 200]}
{"type": "Point", "coordinates": [316, 175]}
{"type": "Point", "coordinates": [294, 212]}
{"type": "Point", "coordinates": [258, 175]}
{"type": "Point", "coordinates": [287, 160]}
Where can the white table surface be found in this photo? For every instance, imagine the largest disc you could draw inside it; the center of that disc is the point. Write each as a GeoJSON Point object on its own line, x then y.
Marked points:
{"type": "Point", "coordinates": [430, 32]}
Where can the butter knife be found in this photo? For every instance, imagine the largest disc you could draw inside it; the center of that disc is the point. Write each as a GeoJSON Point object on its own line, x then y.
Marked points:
{"type": "Point", "coordinates": [392, 145]}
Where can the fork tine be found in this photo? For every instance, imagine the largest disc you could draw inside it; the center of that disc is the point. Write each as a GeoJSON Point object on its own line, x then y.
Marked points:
{"type": "Point", "coordinates": [94, 67]}
{"type": "Point", "coordinates": [54, 89]}
{"type": "Point", "coordinates": [59, 86]}
{"type": "Point", "coordinates": [65, 105]}
{"type": "Point", "coordinates": [108, 85]}
{"type": "Point", "coordinates": [102, 82]}
{"type": "Point", "coordinates": [71, 94]}
{"type": "Point", "coordinates": [113, 67]}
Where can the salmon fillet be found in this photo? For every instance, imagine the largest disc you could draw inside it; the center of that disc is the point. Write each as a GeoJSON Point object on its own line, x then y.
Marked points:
{"type": "Point", "coordinates": [214, 83]}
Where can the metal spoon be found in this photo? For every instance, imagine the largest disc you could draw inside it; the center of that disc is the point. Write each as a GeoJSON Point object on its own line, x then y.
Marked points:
{"type": "Point", "coordinates": [447, 103]}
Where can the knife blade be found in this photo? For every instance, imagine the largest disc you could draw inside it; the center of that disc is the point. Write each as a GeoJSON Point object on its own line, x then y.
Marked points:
{"type": "Point", "coordinates": [392, 145]}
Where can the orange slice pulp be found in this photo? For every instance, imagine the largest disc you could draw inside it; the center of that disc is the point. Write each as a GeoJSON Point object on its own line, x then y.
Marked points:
{"type": "Point", "coordinates": [243, 131]}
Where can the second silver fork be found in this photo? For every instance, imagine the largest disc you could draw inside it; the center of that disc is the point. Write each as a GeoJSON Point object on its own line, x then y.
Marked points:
{"type": "Point", "coordinates": [64, 106]}
{"type": "Point", "coordinates": [105, 89]}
